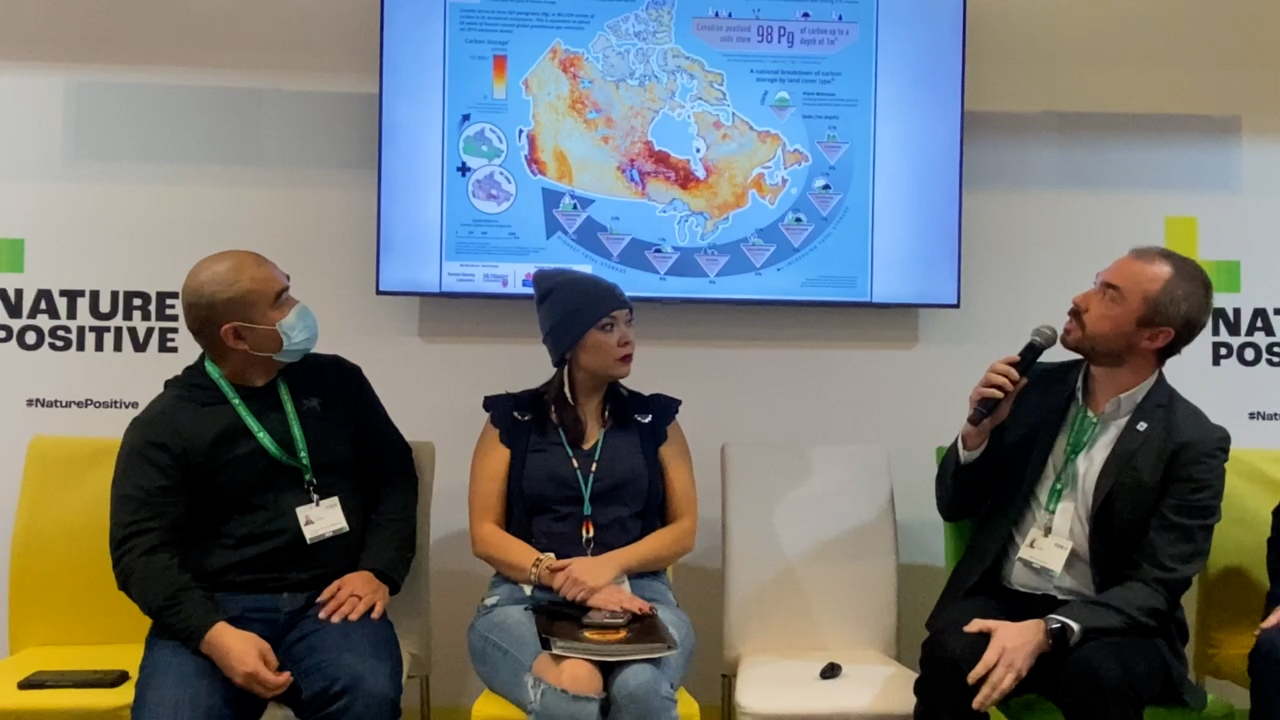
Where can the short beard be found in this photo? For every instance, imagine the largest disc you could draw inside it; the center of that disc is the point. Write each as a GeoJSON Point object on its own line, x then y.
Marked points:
{"type": "Point", "coordinates": [1105, 359]}
{"type": "Point", "coordinates": [1096, 356]}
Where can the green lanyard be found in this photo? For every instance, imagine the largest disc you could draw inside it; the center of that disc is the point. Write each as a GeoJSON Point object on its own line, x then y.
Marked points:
{"type": "Point", "coordinates": [1082, 429]}
{"type": "Point", "coordinates": [268, 443]}
{"type": "Point", "coordinates": [588, 528]}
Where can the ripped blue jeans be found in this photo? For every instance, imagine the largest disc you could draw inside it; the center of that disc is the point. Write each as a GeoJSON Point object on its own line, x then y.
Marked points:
{"type": "Point", "coordinates": [503, 644]}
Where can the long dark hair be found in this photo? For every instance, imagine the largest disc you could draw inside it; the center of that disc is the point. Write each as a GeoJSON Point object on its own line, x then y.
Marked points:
{"type": "Point", "coordinates": [560, 410]}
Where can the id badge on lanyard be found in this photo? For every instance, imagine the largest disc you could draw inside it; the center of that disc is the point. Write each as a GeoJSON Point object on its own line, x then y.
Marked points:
{"type": "Point", "coordinates": [1046, 553]}
{"type": "Point", "coordinates": [320, 518]}
{"type": "Point", "coordinates": [1048, 545]}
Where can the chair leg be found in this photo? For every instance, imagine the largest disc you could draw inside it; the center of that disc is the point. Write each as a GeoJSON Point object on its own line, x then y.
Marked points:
{"type": "Point", "coordinates": [726, 698]}
{"type": "Point", "coordinates": [424, 697]}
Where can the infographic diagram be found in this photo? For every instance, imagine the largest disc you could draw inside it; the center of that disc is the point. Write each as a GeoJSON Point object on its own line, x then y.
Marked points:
{"type": "Point", "coordinates": [664, 144]}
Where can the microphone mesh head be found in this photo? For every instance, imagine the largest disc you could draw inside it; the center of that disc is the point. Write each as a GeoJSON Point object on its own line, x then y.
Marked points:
{"type": "Point", "coordinates": [1046, 336]}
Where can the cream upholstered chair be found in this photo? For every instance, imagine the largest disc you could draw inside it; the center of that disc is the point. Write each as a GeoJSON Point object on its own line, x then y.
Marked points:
{"type": "Point", "coordinates": [409, 609]}
{"type": "Point", "coordinates": [810, 574]}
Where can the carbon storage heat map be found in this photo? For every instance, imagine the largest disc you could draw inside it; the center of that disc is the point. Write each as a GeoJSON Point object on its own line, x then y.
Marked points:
{"type": "Point", "coordinates": [668, 145]}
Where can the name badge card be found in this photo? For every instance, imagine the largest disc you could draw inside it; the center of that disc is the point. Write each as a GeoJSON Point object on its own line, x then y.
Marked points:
{"type": "Point", "coordinates": [1047, 554]}
{"type": "Point", "coordinates": [323, 520]}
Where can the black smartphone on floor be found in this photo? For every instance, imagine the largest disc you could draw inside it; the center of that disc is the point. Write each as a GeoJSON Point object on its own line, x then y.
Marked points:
{"type": "Point", "coordinates": [73, 679]}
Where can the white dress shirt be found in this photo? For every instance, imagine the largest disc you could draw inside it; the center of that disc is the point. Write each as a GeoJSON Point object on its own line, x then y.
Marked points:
{"type": "Point", "coordinates": [1075, 508]}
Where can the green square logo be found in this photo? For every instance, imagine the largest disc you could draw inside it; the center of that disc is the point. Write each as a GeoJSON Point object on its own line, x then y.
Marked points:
{"type": "Point", "coordinates": [1225, 275]}
{"type": "Point", "coordinates": [1182, 235]}
{"type": "Point", "coordinates": [13, 255]}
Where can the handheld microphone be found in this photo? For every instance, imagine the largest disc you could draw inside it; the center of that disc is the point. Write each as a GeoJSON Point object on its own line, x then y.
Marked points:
{"type": "Point", "coordinates": [1042, 338]}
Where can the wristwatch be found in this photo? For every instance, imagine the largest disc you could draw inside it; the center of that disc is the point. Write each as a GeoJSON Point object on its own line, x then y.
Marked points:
{"type": "Point", "coordinates": [1058, 633]}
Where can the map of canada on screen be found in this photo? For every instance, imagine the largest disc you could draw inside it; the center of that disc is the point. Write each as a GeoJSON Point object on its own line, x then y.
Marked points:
{"type": "Point", "coordinates": [763, 151]}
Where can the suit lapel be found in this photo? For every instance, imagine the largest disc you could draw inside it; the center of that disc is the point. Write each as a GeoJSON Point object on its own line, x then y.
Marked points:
{"type": "Point", "coordinates": [1145, 421]}
{"type": "Point", "coordinates": [1048, 426]}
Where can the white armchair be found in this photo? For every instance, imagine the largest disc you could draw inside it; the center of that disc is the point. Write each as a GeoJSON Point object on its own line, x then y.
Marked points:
{"type": "Point", "coordinates": [811, 577]}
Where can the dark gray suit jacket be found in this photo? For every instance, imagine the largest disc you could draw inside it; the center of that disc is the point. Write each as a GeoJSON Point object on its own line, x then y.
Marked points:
{"type": "Point", "coordinates": [1158, 497]}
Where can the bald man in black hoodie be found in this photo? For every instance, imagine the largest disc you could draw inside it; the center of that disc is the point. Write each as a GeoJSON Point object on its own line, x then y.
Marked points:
{"type": "Point", "coordinates": [263, 511]}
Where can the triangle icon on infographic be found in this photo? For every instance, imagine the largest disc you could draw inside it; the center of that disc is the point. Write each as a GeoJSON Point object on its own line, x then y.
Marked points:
{"type": "Point", "coordinates": [796, 232]}
{"type": "Point", "coordinates": [661, 261]}
{"type": "Point", "coordinates": [758, 254]}
{"type": "Point", "coordinates": [711, 264]}
{"type": "Point", "coordinates": [614, 242]}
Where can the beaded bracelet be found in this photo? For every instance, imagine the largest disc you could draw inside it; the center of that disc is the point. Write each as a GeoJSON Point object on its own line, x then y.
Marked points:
{"type": "Point", "coordinates": [535, 570]}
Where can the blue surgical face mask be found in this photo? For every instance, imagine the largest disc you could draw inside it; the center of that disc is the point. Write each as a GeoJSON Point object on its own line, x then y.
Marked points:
{"type": "Point", "coordinates": [298, 334]}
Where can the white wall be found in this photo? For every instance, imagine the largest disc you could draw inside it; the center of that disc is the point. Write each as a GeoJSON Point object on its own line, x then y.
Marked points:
{"type": "Point", "coordinates": [1050, 199]}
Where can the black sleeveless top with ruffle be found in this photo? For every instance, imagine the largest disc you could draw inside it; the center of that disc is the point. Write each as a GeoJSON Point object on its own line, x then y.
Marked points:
{"type": "Point", "coordinates": [544, 500]}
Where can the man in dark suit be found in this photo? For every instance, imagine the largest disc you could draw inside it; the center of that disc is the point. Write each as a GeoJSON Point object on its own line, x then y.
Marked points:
{"type": "Point", "coordinates": [1093, 489]}
{"type": "Point", "coordinates": [1264, 659]}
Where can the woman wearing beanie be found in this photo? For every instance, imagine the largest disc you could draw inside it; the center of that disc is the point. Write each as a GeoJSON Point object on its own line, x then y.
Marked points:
{"type": "Point", "coordinates": [581, 489]}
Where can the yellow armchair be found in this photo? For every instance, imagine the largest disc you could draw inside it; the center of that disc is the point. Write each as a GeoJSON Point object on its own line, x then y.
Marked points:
{"type": "Point", "coordinates": [65, 612]}
{"type": "Point", "coordinates": [1233, 585]}
{"type": "Point", "coordinates": [489, 706]}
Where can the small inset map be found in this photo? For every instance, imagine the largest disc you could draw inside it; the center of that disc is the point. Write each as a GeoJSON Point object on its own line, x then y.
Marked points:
{"type": "Point", "coordinates": [491, 190]}
{"type": "Point", "coordinates": [482, 144]}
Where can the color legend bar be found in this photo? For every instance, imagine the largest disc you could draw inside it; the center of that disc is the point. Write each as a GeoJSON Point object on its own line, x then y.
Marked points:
{"type": "Point", "coordinates": [499, 77]}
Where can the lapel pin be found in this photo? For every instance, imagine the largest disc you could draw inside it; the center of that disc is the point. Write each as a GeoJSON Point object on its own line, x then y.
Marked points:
{"type": "Point", "coordinates": [1142, 426]}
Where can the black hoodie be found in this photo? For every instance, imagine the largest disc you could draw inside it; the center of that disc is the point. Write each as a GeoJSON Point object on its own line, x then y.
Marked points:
{"type": "Point", "coordinates": [199, 507]}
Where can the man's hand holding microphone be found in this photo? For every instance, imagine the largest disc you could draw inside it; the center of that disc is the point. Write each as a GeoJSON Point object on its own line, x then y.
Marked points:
{"type": "Point", "coordinates": [1002, 381]}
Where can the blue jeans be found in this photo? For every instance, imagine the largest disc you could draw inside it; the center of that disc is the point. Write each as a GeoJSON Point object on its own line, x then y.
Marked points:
{"type": "Point", "coordinates": [504, 643]}
{"type": "Point", "coordinates": [340, 671]}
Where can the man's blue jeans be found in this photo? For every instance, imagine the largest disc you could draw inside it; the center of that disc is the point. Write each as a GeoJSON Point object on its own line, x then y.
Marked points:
{"type": "Point", "coordinates": [340, 671]}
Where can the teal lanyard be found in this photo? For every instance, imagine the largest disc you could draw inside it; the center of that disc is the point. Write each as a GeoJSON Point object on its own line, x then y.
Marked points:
{"type": "Point", "coordinates": [268, 443]}
{"type": "Point", "coordinates": [588, 528]}
{"type": "Point", "coordinates": [1082, 429]}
